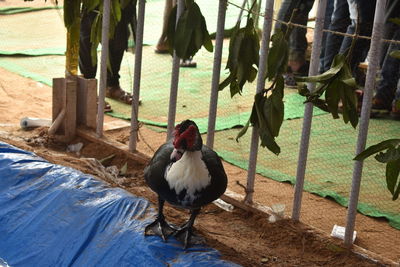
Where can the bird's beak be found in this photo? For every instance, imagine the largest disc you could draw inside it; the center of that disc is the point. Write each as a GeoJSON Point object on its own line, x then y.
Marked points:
{"type": "Point", "coordinates": [176, 154]}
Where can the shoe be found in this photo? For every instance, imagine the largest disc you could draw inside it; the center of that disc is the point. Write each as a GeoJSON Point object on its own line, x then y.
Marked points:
{"type": "Point", "coordinates": [161, 49]}
{"type": "Point", "coordinates": [379, 104]}
{"type": "Point", "coordinates": [117, 93]}
{"type": "Point", "coordinates": [395, 112]}
{"type": "Point", "coordinates": [188, 63]}
{"type": "Point", "coordinates": [290, 81]}
{"type": "Point", "coordinates": [379, 109]}
{"type": "Point", "coordinates": [107, 106]}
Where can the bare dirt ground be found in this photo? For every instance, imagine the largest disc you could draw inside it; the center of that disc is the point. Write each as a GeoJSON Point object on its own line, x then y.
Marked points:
{"type": "Point", "coordinates": [241, 236]}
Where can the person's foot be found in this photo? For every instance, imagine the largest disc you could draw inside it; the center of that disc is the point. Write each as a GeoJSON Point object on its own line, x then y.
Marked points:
{"type": "Point", "coordinates": [379, 104]}
{"type": "Point", "coordinates": [117, 93]}
{"type": "Point", "coordinates": [395, 112]}
{"type": "Point", "coordinates": [379, 108]}
{"type": "Point", "coordinates": [188, 63]}
{"type": "Point", "coordinates": [161, 49]}
{"type": "Point", "coordinates": [289, 79]}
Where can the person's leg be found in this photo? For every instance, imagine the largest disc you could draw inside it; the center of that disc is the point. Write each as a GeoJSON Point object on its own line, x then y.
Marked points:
{"type": "Point", "coordinates": [298, 41]}
{"type": "Point", "coordinates": [339, 22]}
{"type": "Point", "coordinates": [285, 12]}
{"type": "Point", "coordinates": [362, 11]}
{"type": "Point", "coordinates": [162, 46]}
{"type": "Point", "coordinates": [385, 91]}
{"type": "Point", "coordinates": [327, 22]}
{"type": "Point", "coordinates": [117, 46]}
{"type": "Point", "coordinates": [86, 66]}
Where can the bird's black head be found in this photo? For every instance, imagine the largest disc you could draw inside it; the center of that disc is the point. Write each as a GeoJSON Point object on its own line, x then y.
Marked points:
{"type": "Point", "coordinates": [187, 136]}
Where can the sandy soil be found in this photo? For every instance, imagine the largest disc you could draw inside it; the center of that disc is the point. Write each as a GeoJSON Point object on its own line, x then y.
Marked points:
{"type": "Point", "coordinates": [245, 238]}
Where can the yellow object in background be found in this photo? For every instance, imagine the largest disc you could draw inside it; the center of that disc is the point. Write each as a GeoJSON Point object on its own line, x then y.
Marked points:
{"type": "Point", "coordinates": [72, 53]}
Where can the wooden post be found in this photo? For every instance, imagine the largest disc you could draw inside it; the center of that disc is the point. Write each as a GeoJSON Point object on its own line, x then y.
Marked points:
{"type": "Point", "coordinates": [64, 98]}
{"type": "Point", "coordinates": [70, 108]}
{"type": "Point", "coordinates": [58, 102]}
{"type": "Point", "coordinates": [86, 102]}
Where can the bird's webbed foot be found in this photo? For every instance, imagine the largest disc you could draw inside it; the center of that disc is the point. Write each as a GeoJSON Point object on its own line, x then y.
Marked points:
{"type": "Point", "coordinates": [186, 236]}
{"type": "Point", "coordinates": [160, 227]}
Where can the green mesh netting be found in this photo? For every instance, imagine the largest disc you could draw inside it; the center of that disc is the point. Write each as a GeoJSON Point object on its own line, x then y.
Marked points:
{"type": "Point", "coordinates": [330, 165]}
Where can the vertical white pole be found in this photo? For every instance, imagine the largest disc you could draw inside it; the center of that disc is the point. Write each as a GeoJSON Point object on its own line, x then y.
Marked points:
{"type": "Point", "coordinates": [174, 81]}
{"type": "Point", "coordinates": [137, 76]}
{"type": "Point", "coordinates": [373, 63]}
{"type": "Point", "coordinates": [103, 66]}
{"type": "Point", "coordinates": [251, 173]}
{"type": "Point", "coordinates": [305, 135]}
{"type": "Point", "coordinates": [219, 41]}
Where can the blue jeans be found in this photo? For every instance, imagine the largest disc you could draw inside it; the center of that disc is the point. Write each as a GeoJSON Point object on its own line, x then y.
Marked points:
{"type": "Point", "coordinates": [386, 90]}
{"type": "Point", "coordinates": [339, 22]}
{"type": "Point", "coordinates": [297, 41]}
{"type": "Point", "coordinates": [364, 12]}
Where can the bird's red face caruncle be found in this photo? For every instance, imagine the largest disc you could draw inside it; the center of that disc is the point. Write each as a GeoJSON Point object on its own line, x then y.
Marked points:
{"type": "Point", "coordinates": [186, 139]}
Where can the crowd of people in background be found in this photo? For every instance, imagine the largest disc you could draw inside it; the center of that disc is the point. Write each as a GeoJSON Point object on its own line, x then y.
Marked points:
{"type": "Point", "coordinates": [347, 16]}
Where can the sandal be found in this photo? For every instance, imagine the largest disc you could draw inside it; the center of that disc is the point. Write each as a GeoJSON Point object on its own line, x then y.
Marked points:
{"type": "Point", "coordinates": [188, 63]}
{"type": "Point", "coordinates": [116, 93]}
{"type": "Point", "coordinates": [107, 106]}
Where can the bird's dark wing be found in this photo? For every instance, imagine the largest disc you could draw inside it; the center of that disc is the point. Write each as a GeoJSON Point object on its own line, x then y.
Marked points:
{"type": "Point", "coordinates": [155, 170]}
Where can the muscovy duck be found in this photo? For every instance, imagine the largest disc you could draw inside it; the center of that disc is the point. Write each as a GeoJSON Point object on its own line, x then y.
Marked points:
{"type": "Point", "coordinates": [186, 174]}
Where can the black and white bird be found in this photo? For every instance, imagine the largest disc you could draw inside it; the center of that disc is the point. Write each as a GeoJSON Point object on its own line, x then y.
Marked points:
{"type": "Point", "coordinates": [186, 174]}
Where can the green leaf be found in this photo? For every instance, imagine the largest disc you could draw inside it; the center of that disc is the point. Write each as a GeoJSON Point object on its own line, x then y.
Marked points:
{"type": "Point", "coordinates": [90, 5]}
{"type": "Point", "coordinates": [252, 74]}
{"type": "Point", "coordinates": [391, 143]}
{"type": "Point", "coordinates": [116, 10]}
{"type": "Point", "coordinates": [234, 48]}
{"type": "Point", "coordinates": [274, 108]}
{"type": "Point", "coordinates": [392, 154]}
{"type": "Point", "coordinates": [336, 66]}
{"type": "Point", "coordinates": [235, 89]}
{"type": "Point", "coordinates": [395, 54]}
{"type": "Point", "coordinates": [264, 132]}
{"type": "Point", "coordinates": [268, 141]}
{"type": "Point", "coordinates": [243, 130]}
{"type": "Point", "coordinates": [278, 55]}
{"type": "Point", "coordinates": [395, 20]}
{"type": "Point", "coordinates": [71, 12]}
{"type": "Point", "coordinates": [332, 98]}
{"type": "Point", "coordinates": [392, 177]}
{"type": "Point", "coordinates": [207, 43]}
{"type": "Point", "coordinates": [226, 82]}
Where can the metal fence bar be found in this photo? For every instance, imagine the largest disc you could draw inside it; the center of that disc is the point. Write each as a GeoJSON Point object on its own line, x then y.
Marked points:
{"type": "Point", "coordinates": [251, 173]}
{"type": "Point", "coordinates": [305, 135]}
{"type": "Point", "coordinates": [103, 67]}
{"type": "Point", "coordinates": [174, 81]}
{"type": "Point", "coordinates": [219, 42]}
{"type": "Point", "coordinates": [373, 63]}
{"type": "Point", "coordinates": [137, 76]}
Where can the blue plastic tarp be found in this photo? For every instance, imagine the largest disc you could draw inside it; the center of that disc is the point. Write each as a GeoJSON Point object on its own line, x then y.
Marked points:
{"type": "Point", "coordinates": [52, 215]}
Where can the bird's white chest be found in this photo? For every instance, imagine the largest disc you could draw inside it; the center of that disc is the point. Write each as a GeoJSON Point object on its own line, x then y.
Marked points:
{"type": "Point", "coordinates": [190, 173]}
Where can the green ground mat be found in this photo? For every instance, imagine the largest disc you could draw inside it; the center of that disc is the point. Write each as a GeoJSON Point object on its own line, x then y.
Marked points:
{"type": "Point", "coordinates": [329, 165]}
{"type": "Point", "coordinates": [27, 31]}
{"type": "Point", "coordinates": [17, 10]}
{"type": "Point", "coordinates": [193, 95]}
